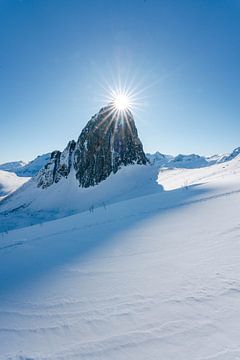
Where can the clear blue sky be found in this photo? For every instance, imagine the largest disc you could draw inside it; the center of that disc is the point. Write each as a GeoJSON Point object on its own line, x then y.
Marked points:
{"type": "Point", "coordinates": [56, 54]}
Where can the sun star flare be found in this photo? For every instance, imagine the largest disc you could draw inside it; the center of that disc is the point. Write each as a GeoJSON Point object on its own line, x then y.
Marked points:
{"type": "Point", "coordinates": [121, 102]}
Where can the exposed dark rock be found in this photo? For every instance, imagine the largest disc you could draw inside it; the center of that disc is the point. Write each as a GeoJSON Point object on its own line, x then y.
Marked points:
{"type": "Point", "coordinates": [46, 176]}
{"type": "Point", "coordinates": [108, 142]}
{"type": "Point", "coordinates": [59, 166]}
{"type": "Point", "coordinates": [65, 163]}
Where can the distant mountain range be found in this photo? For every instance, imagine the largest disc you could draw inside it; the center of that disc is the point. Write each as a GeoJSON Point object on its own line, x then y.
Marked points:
{"type": "Point", "coordinates": [107, 153]}
{"type": "Point", "coordinates": [191, 161]}
{"type": "Point", "coordinates": [23, 169]}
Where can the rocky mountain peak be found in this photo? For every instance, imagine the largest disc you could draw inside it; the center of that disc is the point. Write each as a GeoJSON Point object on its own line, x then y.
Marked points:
{"type": "Point", "coordinates": [108, 142]}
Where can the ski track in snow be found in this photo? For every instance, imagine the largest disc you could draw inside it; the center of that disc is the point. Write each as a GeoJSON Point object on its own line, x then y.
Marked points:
{"type": "Point", "coordinates": [151, 278]}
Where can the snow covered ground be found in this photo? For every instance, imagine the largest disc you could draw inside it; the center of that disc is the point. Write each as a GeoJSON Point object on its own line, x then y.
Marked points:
{"type": "Point", "coordinates": [180, 178]}
{"type": "Point", "coordinates": [155, 277]}
{"type": "Point", "coordinates": [31, 205]}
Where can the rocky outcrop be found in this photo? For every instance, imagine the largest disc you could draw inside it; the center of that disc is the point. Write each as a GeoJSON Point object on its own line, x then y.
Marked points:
{"type": "Point", "coordinates": [59, 166]}
{"type": "Point", "coordinates": [108, 142]}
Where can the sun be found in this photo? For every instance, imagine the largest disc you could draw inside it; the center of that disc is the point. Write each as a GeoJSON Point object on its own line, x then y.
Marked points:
{"type": "Point", "coordinates": [121, 102]}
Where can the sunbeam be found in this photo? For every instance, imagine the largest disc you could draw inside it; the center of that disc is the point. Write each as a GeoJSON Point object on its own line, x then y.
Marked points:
{"type": "Point", "coordinates": [121, 102]}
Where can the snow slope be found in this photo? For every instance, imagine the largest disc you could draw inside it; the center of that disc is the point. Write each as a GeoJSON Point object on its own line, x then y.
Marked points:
{"type": "Point", "coordinates": [9, 182]}
{"type": "Point", "coordinates": [34, 166]}
{"type": "Point", "coordinates": [155, 277]}
{"type": "Point", "coordinates": [24, 169]}
{"type": "Point", "coordinates": [31, 205]}
{"type": "Point", "coordinates": [12, 166]}
{"type": "Point", "coordinates": [177, 178]}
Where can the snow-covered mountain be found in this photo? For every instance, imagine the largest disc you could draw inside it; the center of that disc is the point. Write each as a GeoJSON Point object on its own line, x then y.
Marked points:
{"type": "Point", "coordinates": [180, 161]}
{"type": "Point", "coordinates": [227, 157]}
{"type": "Point", "coordinates": [157, 159]}
{"type": "Point", "coordinates": [13, 166]}
{"type": "Point", "coordinates": [106, 164]}
{"type": "Point", "coordinates": [9, 182]}
{"type": "Point", "coordinates": [33, 167]}
{"type": "Point", "coordinates": [150, 277]}
{"type": "Point", "coordinates": [190, 161]}
{"type": "Point", "coordinates": [141, 259]}
{"type": "Point", "coordinates": [108, 142]}
{"type": "Point", "coordinates": [30, 169]}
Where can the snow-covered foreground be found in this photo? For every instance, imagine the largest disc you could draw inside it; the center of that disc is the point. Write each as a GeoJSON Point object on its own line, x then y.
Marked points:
{"type": "Point", "coordinates": [156, 277]}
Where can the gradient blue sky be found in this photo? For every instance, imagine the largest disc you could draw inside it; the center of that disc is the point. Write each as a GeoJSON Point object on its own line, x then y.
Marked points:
{"type": "Point", "coordinates": [57, 55]}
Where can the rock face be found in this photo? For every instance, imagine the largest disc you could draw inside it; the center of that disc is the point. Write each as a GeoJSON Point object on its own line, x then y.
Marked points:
{"type": "Point", "coordinates": [59, 166]}
{"type": "Point", "coordinates": [108, 142]}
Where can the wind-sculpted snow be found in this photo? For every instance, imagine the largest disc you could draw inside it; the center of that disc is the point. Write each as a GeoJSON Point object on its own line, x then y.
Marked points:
{"type": "Point", "coordinates": [151, 277]}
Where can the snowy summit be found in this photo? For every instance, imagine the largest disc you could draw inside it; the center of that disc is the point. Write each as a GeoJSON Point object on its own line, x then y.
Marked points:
{"type": "Point", "coordinates": [106, 163]}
